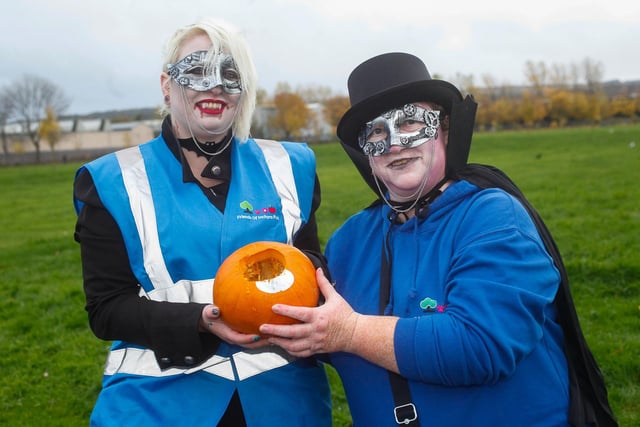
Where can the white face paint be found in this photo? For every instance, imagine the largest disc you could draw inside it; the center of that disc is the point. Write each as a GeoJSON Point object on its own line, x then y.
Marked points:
{"type": "Point", "coordinates": [409, 126]}
{"type": "Point", "coordinates": [203, 115]}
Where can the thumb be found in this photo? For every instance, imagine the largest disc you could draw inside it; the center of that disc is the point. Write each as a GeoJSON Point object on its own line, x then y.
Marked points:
{"type": "Point", "coordinates": [211, 312]}
{"type": "Point", "coordinates": [326, 288]}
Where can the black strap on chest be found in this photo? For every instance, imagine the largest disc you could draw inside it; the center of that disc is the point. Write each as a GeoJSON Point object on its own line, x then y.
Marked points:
{"type": "Point", "coordinates": [404, 410]}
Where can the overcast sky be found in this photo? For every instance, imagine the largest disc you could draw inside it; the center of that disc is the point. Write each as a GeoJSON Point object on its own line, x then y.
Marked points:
{"type": "Point", "coordinates": [106, 54]}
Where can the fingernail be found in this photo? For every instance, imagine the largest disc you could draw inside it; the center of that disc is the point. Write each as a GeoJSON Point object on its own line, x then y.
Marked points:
{"type": "Point", "coordinates": [256, 338]}
{"type": "Point", "coordinates": [215, 311]}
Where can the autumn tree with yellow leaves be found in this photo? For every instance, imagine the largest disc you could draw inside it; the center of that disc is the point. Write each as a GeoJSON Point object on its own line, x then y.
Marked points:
{"type": "Point", "coordinates": [334, 109]}
{"type": "Point", "coordinates": [50, 128]}
{"type": "Point", "coordinates": [291, 115]}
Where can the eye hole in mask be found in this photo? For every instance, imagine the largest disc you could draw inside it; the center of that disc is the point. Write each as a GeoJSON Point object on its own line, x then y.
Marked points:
{"type": "Point", "coordinates": [196, 71]}
{"type": "Point", "coordinates": [409, 126]}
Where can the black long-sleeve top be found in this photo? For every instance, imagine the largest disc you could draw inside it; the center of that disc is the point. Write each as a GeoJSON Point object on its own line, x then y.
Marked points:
{"type": "Point", "coordinates": [115, 309]}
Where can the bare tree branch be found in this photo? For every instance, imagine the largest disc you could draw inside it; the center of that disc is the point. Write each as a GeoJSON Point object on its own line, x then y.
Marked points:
{"type": "Point", "coordinates": [28, 98]}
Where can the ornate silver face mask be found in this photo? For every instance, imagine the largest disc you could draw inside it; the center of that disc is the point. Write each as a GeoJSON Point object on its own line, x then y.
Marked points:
{"type": "Point", "coordinates": [409, 126]}
{"type": "Point", "coordinates": [196, 71]}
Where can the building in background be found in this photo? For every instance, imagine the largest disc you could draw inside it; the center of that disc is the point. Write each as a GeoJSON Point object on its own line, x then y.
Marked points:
{"type": "Point", "coordinates": [81, 139]}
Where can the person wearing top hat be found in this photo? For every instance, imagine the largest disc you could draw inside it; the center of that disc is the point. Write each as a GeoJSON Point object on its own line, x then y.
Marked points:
{"type": "Point", "coordinates": [450, 304]}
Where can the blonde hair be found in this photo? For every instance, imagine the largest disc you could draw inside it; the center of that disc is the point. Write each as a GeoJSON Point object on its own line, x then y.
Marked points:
{"type": "Point", "coordinates": [224, 37]}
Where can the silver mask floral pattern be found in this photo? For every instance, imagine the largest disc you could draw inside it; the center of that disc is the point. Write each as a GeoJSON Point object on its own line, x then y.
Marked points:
{"type": "Point", "coordinates": [409, 126]}
{"type": "Point", "coordinates": [203, 71]}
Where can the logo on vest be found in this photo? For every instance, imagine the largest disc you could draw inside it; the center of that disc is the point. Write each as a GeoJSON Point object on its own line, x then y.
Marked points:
{"type": "Point", "coordinates": [255, 214]}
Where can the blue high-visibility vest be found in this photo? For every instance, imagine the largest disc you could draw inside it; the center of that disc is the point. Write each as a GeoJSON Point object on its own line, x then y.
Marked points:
{"type": "Point", "coordinates": [176, 240]}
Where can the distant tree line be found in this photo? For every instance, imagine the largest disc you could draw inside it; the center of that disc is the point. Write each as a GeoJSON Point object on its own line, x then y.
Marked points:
{"type": "Point", "coordinates": [555, 95]}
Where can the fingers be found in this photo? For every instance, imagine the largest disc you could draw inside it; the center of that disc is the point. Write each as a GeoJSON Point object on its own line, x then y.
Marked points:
{"type": "Point", "coordinates": [245, 340]}
{"type": "Point", "coordinates": [303, 314]}
{"type": "Point", "coordinates": [326, 288]}
{"type": "Point", "coordinates": [295, 339]}
{"type": "Point", "coordinates": [230, 336]}
{"type": "Point", "coordinates": [285, 331]}
{"type": "Point", "coordinates": [211, 322]}
{"type": "Point", "coordinates": [323, 282]}
{"type": "Point", "coordinates": [294, 348]}
{"type": "Point", "coordinates": [210, 313]}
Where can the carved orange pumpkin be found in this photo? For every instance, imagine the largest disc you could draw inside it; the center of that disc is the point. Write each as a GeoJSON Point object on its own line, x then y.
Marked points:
{"type": "Point", "coordinates": [257, 276]}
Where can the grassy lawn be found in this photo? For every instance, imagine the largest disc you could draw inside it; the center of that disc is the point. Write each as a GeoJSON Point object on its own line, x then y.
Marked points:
{"type": "Point", "coordinates": [583, 181]}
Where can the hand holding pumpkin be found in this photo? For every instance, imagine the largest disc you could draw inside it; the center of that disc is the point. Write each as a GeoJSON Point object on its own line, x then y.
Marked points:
{"type": "Point", "coordinates": [324, 329]}
{"type": "Point", "coordinates": [210, 322]}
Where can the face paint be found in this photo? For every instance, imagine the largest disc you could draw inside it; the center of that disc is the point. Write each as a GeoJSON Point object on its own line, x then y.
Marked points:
{"type": "Point", "coordinates": [409, 126]}
{"type": "Point", "coordinates": [195, 72]}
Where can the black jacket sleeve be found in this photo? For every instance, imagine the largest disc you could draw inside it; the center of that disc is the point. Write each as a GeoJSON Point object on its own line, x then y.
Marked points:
{"type": "Point", "coordinates": [115, 309]}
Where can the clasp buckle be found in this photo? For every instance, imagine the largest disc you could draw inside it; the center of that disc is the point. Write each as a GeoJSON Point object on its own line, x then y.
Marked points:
{"type": "Point", "coordinates": [405, 413]}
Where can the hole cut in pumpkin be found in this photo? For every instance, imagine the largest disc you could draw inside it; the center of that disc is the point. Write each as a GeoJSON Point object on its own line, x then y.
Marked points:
{"type": "Point", "coordinates": [255, 277]}
{"type": "Point", "coordinates": [264, 265]}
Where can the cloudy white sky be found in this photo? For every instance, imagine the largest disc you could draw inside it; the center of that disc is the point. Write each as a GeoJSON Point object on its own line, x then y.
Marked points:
{"type": "Point", "coordinates": [106, 54]}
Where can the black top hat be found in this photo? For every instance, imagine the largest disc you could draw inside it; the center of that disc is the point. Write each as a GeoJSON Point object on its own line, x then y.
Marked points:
{"type": "Point", "coordinates": [389, 81]}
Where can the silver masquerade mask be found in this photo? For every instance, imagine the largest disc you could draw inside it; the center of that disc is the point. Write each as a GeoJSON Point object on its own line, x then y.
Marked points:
{"type": "Point", "coordinates": [409, 126]}
{"type": "Point", "coordinates": [196, 71]}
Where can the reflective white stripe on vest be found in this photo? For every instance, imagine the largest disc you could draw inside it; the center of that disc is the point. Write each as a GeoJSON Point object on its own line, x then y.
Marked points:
{"type": "Point", "coordinates": [249, 363]}
{"type": "Point", "coordinates": [136, 182]}
{"type": "Point", "coordinates": [279, 164]}
{"type": "Point", "coordinates": [136, 361]}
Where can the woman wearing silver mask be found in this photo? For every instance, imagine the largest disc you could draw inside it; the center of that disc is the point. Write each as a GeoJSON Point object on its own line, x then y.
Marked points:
{"type": "Point", "coordinates": [154, 224]}
{"type": "Point", "coordinates": [451, 305]}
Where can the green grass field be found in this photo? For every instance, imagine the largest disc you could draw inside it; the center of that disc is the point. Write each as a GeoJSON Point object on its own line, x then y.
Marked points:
{"type": "Point", "coordinates": [583, 181]}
